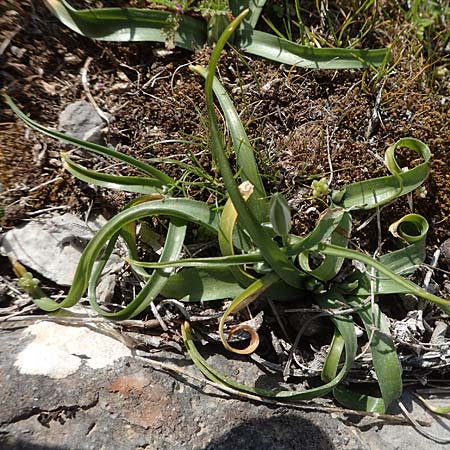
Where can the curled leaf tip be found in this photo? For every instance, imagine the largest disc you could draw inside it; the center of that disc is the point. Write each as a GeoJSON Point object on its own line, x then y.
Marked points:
{"type": "Point", "coordinates": [254, 339]}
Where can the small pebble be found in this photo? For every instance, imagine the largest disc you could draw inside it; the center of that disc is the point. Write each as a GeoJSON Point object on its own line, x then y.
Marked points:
{"type": "Point", "coordinates": [445, 253]}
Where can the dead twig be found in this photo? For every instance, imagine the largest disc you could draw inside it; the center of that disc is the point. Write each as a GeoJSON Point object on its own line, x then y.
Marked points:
{"type": "Point", "coordinates": [85, 82]}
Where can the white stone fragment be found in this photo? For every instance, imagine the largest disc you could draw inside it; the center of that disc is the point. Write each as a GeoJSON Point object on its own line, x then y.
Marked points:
{"type": "Point", "coordinates": [53, 246]}
{"type": "Point", "coordinates": [59, 350]}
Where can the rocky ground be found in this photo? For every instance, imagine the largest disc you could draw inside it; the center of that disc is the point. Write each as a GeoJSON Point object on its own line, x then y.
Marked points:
{"type": "Point", "coordinates": [92, 392]}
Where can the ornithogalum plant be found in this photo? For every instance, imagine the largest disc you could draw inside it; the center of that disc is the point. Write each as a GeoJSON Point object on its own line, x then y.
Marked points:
{"type": "Point", "coordinates": [259, 255]}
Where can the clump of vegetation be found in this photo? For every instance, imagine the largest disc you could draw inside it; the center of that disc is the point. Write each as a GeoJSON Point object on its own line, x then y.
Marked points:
{"type": "Point", "coordinates": [259, 257]}
{"type": "Point", "coordinates": [177, 28]}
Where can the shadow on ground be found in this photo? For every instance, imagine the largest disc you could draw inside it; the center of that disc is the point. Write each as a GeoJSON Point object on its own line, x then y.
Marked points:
{"type": "Point", "coordinates": [278, 433]}
{"type": "Point", "coordinates": [13, 444]}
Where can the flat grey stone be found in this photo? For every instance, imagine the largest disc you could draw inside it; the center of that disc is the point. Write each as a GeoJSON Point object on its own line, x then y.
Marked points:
{"type": "Point", "coordinates": [81, 120]}
{"type": "Point", "coordinates": [445, 253]}
{"type": "Point", "coordinates": [129, 405]}
{"type": "Point", "coordinates": [125, 403]}
{"type": "Point", "coordinates": [52, 247]}
{"type": "Point", "coordinates": [392, 437]}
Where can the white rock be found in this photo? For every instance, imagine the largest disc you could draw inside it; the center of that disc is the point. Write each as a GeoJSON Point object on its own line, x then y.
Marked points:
{"type": "Point", "coordinates": [53, 246]}
{"type": "Point", "coordinates": [59, 350]}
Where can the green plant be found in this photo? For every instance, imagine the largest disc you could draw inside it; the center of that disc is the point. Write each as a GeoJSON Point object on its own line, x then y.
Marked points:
{"type": "Point", "coordinates": [180, 29]}
{"type": "Point", "coordinates": [259, 255]}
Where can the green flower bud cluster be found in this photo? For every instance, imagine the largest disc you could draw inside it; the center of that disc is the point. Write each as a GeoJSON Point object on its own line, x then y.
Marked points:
{"type": "Point", "coordinates": [27, 282]}
{"type": "Point", "coordinates": [320, 187]}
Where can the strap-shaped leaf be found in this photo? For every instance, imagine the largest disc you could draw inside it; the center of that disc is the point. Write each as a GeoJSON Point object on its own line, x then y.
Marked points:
{"type": "Point", "coordinates": [201, 285]}
{"type": "Point", "coordinates": [409, 286]}
{"type": "Point", "coordinates": [384, 355]}
{"type": "Point", "coordinates": [412, 229]}
{"type": "Point", "coordinates": [184, 209]}
{"type": "Point", "coordinates": [211, 262]}
{"type": "Point", "coordinates": [360, 402]}
{"type": "Point", "coordinates": [333, 358]}
{"type": "Point", "coordinates": [140, 185]}
{"type": "Point", "coordinates": [243, 149]}
{"type": "Point", "coordinates": [346, 329]}
{"type": "Point", "coordinates": [129, 24]}
{"type": "Point", "coordinates": [255, 8]}
{"type": "Point", "coordinates": [241, 301]}
{"type": "Point", "coordinates": [287, 52]}
{"type": "Point", "coordinates": [228, 231]}
{"type": "Point", "coordinates": [379, 191]}
{"type": "Point", "coordinates": [137, 25]}
{"type": "Point", "coordinates": [155, 282]}
{"type": "Point", "coordinates": [94, 148]}
{"type": "Point", "coordinates": [207, 284]}
{"type": "Point", "coordinates": [273, 255]}
{"type": "Point", "coordinates": [331, 265]}
{"type": "Point", "coordinates": [328, 222]}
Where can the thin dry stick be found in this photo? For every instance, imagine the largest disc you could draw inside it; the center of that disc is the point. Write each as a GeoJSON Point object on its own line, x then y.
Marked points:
{"type": "Point", "coordinates": [430, 270]}
{"type": "Point", "coordinates": [85, 82]}
{"type": "Point", "coordinates": [13, 316]}
{"type": "Point", "coordinates": [46, 210]}
{"type": "Point", "coordinates": [53, 180]}
{"type": "Point", "coordinates": [4, 45]}
{"type": "Point", "coordinates": [330, 162]}
{"type": "Point", "coordinates": [146, 324]}
{"type": "Point", "coordinates": [331, 312]}
{"type": "Point", "coordinates": [278, 318]}
{"type": "Point", "coordinates": [375, 117]}
{"type": "Point", "coordinates": [158, 317]}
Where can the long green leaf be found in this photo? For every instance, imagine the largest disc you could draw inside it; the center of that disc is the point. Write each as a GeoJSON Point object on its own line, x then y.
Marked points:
{"type": "Point", "coordinates": [243, 149]}
{"type": "Point", "coordinates": [409, 286]}
{"type": "Point", "coordinates": [129, 24]}
{"type": "Point", "coordinates": [406, 260]}
{"type": "Point", "coordinates": [137, 25]}
{"type": "Point", "coordinates": [255, 8]}
{"type": "Point", "coordinates": [201, 285]}
{"type": "Point", "coordinates": [328, 222]}
{"type": "Point", "coordinates": [95, 148]}
{"type": "Point", "coordinates": [205, 284]}
{"type": "Point", "coordinates": [140, 185]}
{"type": "Point", "coordinates": [244, 299]}
{"type": "Point", "coordinates": [346, 328]}
{"type": "Point", "coordinates": [384, 355]}
{"type": "Point", "coordinates": [361, 402]}
{"type": "Point", "coordinates": [286, 52]}
{"type": "Point", "coordinates": [184, 209]}
{"type": "Point", "coordinates": [379, 191]}
{"type": "Point", "coordinates": [333, 358]}
{"type": "Point", "coordinates": [331, 265]}
{"type": "Point", "coordinates": [155, 283]}
{"type": "Point", "coordinates": [212, 262]}
{"type": "Point", "coordinates": [271, 252]}
{"type": "Point", "coordinates": [228, 231]}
